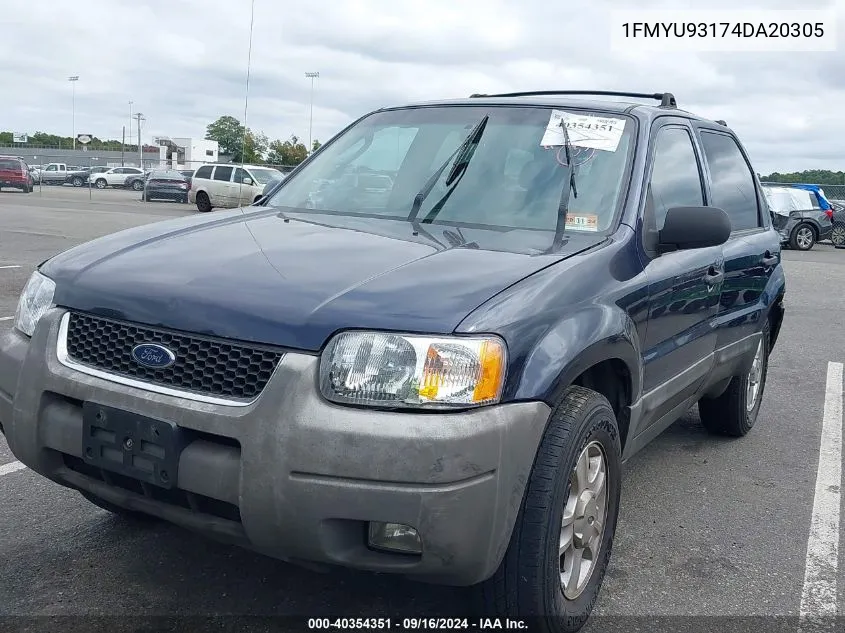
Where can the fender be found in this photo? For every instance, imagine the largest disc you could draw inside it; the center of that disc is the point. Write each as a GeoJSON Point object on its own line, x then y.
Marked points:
{"type": "Point", "coordinates": [585, 337]}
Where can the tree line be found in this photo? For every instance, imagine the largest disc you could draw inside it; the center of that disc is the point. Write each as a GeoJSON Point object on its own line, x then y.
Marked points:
{"type": "Point", "coordinates": [43, 139]}
{"type": "Point", "coordinates": [243, 144]}
{"type": "Point", "coordinates": [809, 176]}
{"type": "Point", "coordinates": [237, 142]}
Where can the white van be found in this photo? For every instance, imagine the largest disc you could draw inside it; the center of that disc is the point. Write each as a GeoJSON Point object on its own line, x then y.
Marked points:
{"type": "Point", "coordinates": [229, 186]}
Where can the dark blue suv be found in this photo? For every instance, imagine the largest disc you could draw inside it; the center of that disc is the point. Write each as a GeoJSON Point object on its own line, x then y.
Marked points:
{"type": "Point", "coordinates": [428, 351]}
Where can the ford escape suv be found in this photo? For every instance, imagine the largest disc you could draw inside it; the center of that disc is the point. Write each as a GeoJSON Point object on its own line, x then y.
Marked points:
{"type": "Point", "coordinates": [439, 376]}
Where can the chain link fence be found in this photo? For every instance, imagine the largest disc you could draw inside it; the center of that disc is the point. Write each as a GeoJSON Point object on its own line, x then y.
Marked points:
{"type": "Point", "coordinates": [831, 192]}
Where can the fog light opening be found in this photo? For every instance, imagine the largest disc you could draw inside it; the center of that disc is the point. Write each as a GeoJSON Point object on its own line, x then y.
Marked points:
{"type": "Point", "coordinates": [395, 538]}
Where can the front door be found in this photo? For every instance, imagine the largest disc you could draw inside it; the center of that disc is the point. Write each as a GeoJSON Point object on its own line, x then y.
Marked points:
{"type": "Point", "coordinates": [684, 286]}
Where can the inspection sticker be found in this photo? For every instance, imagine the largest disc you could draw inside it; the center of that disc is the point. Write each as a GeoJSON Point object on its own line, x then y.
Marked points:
{"type": "Point", "coordinates": [585, 130]}
{"type": "Point", "coordinates": [582, 222]}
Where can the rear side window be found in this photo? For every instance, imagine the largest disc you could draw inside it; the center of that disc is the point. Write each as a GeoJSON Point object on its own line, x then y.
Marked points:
{"type": "Point", "coordinates": [675, 176]}
{"type": "Point", "coordinates": [203, 172]}
{"type": "Point", "coordinates": [223, 173]}
{"type": "Point", "coordinates": [732, 186]}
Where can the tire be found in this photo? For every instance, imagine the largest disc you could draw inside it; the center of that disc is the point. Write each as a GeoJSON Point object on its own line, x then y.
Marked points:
{"type": "Point", "coordinates": [203, 203]}
{"type": "Point", "coordinates": [146, 198]}
{"type": "Point", "coordinates": [137, 185]}
{"type": "Point", "coordinates": [803, 237]}
{"type": "Point", "coordinates": [117, 510]}
{"type": "Point", "coordinates": [76, 181]}
{"type": "Point", "coordinates": [528, 582]}
{"type": "Point", "coordinates": [837, 236]}
{"type": "Point", "coordinates": [101, 183]}
{"type": "Point", "coordinates": [731, 414]}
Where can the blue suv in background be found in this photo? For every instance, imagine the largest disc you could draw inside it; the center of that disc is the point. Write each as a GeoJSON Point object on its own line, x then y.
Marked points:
{"type": "Point", "coordinates": [438, 377]}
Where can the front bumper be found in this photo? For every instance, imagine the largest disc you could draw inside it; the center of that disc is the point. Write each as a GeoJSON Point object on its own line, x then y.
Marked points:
{"type": "Point", "coordinates": [292, 475]}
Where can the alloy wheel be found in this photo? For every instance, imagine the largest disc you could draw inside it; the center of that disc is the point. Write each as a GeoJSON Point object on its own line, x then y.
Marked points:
{"type": "Point", "coordinates": [755, 377]}
{"type": "Point", "coordinates": [582, 525]}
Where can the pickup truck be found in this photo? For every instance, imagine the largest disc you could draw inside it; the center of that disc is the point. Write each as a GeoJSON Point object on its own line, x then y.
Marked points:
{"type": "Point", "coordinates": [60, 173]}
{"type": "Point", "coordinates": [440, 379]}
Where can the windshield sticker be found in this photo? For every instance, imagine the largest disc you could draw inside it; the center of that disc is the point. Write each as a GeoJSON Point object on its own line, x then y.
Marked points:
{"type": "Point", "coordinates": [581, 222]}
{"type": "Point", "coordinates": [585, 130]}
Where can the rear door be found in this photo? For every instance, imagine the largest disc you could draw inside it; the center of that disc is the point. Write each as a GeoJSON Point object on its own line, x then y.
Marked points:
{"type": "Point", "coordinates": [752, 252]}
{"type": "Point", "coordinates": [684, 286]}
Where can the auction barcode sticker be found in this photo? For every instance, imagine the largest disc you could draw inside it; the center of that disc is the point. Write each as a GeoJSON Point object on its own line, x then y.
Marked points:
{"type": "Point", "coordinates": [584, 130]}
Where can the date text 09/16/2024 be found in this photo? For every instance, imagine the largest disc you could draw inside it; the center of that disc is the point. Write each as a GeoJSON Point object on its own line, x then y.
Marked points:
{"type": "Point", "coordinates": [416, 624]}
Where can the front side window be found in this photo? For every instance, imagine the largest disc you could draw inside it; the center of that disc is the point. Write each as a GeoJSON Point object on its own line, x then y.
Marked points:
{"type": "Point", "coordinates": [732, 187]}
{"type": "Point", "coordinates": [514, 178]}
{"type": "Point", "coordinates": [675, 175]}
{"type": "Point", "coordinates": [264, 176]}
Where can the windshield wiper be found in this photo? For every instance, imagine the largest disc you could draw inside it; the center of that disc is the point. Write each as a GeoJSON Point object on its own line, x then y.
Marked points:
{"type": "Point", "coordinates": [563, 205]}
{"type": "Point", "coordinates": [463, 156]}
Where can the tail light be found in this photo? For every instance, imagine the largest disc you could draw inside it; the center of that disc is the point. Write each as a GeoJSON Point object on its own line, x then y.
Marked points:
{"type": "Point", "coordinates": [829, 213]}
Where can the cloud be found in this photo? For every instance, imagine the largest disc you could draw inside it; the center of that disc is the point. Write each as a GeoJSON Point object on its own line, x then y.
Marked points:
{"type": "Point", "coordinates": [183, 63]}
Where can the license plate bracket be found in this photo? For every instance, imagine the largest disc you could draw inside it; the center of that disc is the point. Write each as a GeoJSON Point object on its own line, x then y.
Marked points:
{"type": "Point", "coordinates": [133, 445]}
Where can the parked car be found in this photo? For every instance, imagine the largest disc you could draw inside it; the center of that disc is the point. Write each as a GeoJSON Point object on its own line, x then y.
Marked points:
{"type": "Point", "coordinates": [801, 214]}
{"type": "Point", "coordinates": [114, 177]}
{"type": "Point", "coordinates": [136, 181]}
{"type": "Point", "coordinates": [188, 174]}
{"type": "Point", "coordinates": [14, 173]}
{"type": "Point", "coordinates": [35, 172]}
{"type": "Point", "coordinates": [837, 235]}
{"type": "Point", "coordinates": [444, 384]}
{"type": "Point", "coordinates": [229, 186]}
{"type": "Point", "coordinates": [62, 173]}
{"type": "Point", "coordinates": [166, 184]}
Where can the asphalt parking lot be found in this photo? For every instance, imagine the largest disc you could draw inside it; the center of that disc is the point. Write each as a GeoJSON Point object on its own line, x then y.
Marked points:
{"type": "Point", "coordinates": [709, 527]}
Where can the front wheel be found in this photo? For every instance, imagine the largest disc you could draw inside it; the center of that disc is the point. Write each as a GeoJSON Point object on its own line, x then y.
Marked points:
{"type": "Point", "coordinates": [563, 536]}
{"type": "Point", "coordinates": [803, 237]}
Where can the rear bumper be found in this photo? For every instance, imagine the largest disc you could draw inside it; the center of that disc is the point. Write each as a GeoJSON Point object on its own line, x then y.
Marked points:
{"type": "Point", "coordinates": [291, 475]}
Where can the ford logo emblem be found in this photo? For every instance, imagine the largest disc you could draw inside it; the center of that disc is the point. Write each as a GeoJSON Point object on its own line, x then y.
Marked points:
{"type": "Point", "coordinates": [153, 355]}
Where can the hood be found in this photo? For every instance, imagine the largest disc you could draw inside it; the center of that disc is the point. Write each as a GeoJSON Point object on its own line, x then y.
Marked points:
{"type": "Point", "coordinates": [294, 279]}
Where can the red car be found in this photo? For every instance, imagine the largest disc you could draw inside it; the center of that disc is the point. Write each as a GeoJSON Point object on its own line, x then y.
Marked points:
{"type": "Point", "coordinates": [14, 172]}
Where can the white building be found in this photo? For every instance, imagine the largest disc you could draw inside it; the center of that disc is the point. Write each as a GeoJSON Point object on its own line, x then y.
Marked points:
{"type": "Point", "coordinates": [185, 153]}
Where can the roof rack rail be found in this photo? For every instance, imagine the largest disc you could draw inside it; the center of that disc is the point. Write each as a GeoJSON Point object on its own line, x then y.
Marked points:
{"type": "Point", "coordinates": [722, 123]}
{"type": "Point", "coordinates": [666, 99]}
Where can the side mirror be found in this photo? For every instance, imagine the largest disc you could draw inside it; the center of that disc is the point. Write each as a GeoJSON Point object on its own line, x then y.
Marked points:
{"type": "Point", "coordinates": [247, 181]}
{"type": "Point", "coordinates": [693, 227]}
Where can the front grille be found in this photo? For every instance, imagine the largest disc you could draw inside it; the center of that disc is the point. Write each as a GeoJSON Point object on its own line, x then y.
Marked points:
{"type": "Point", "coordinates": [203, 365]}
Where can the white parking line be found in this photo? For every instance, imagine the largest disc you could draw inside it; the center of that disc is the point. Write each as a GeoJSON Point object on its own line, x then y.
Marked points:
{"type": "Point", "coordinates": [6, 318]}
{"type": "Point", "coordinates": [818, 598]}
{"type": "Point", "coordinates": [3, 267]}
{"type": "Point", "coordinates": [7, 469]}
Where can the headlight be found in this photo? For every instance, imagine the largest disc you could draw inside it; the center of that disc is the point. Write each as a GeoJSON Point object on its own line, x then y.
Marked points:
{"type": "Point", "coordinates": [393, 370]}
{"type": "Point", "coordinates": [36, 299]}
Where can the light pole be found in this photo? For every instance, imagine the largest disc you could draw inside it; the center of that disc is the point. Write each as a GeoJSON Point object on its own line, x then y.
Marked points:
{"type": "Point", "coordinates": [73, 79]}
{"type": "Point", "coordinates": [140, 117]}
{"type": "Point", "coordinates": [312, 77]}
{"type": "Point", "coordinates": [130, 122]}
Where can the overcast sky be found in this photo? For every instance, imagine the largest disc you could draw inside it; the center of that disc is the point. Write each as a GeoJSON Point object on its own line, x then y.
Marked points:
{"type": "Point", "coordinates": [183, 64]}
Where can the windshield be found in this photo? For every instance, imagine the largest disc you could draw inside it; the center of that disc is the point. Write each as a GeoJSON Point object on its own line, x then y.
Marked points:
{"type": "Point", "coordinates": [515, 179]}
{"type": "Point", "coordinates": [263, 176]}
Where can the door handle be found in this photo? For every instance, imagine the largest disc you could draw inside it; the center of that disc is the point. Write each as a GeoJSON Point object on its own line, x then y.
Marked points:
{"type": "Point", "coordinates": [769, 260]}
{"type": "Point", "coordinates": [713, 276]}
